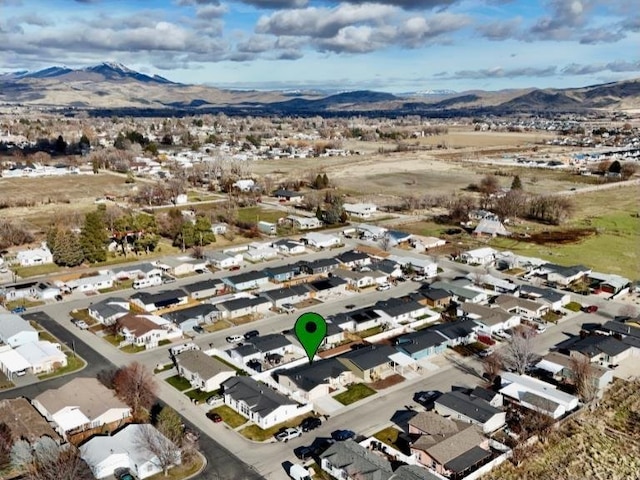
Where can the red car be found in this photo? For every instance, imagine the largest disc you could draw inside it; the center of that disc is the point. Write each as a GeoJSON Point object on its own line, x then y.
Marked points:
{"type": "Point", "coordinates": [591, 309]}
{"type": "Point", "coordinates": [214, 417]}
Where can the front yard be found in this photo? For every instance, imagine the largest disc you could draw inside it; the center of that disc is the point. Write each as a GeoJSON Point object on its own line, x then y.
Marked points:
{"type": "Point", "coordinates": [255, 433]}
{"type": "Point", "coordinates": [179, 383]}
{"type": "Point", "coordinates": [354, 393]}
{"type": "Point", "coordinates": [73, 363]}
{"type": "Point", "coordinates": [229, 416]}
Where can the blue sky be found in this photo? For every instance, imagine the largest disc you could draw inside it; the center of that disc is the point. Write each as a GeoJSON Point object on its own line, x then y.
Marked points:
{"type": "Point", "coordinates": [395, 45]}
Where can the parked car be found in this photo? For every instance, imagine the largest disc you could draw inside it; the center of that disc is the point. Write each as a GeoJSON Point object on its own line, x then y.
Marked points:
{"type": "Point", "coordinates": [418, 278]}
{"type": "Point", "coordinates": [235, 338]}
{"type": "Point", "coordinates": [214, 417]}
{"type": "Point", "coordinates": [401, 279]}
{"type": "Point", "coordinates": [310, 423]}
{"type": "Point", "coordinates": [200, 271]}
{"type": "Point", "coordinates": [288, 308]}
{"type": "Point", "coordinates": [341, 435]}
{"type": "Point", "coordinates": [81, 324]}
{"type": "Point", "coordinates": [541, 328]}
{"type": "Point", "coordinates": [427, 399]}
{"type": "Point", "coordinates": [123, 474]}
{"type": "Point", "coordinates": [19, 310]}
{"type": "Point", "coordinates": [251, 334]}
{"type": "Point", "coordinates": [350, 306]}
{"type": "Point", "coordinates": [214, 399]}
{"type": "Point", "coordinates": [590, 309]}
{"type": "Point", "coordinates": [234, 268]}
{"type": "Point", "coordinates": [288, 434]}
{"type": "Point", "coordinates": [383, 287]}
{"type": "Point", "coordinates": [198, 329]}
{"type": "Point", "coordinates": [168, 279]}
{"type": "Point", "coordinates": [303, 453]}
{"type": "Point", "coordinates": [58, 298]}
{"type": "Point", "coordinates": [485, 353]}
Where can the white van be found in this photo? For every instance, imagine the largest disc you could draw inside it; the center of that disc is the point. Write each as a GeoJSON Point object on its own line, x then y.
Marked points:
{"type": "Point", "coordinates": [298, 472]}
{"type": "Point", "coordinates": [147, 282]}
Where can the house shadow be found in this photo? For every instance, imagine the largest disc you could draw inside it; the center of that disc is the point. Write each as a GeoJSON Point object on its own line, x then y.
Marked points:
{"type": "Point", "coordinates": [463, 367]}
{"type": "Point", "coordinates": [401, 417]}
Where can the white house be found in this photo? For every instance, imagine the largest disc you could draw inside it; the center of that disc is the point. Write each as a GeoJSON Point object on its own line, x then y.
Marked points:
{"type": "Point", "coordinates": [106, 453]}
{"type": "Point", "coordinates": [422, 266]}
{"type": "Point", "coordinates": [219, 228]}
{"type": "Point", "coordinates": [43, 356]}
{"type": "Point", "coordinates": [360, 210]}
{"type": "Point", "coordinates": [224, 260]}
{"type": "Point", "coordinates": [537, 395]}
{"type": "Point", "coordinates": [491, 320]}
{"type": "Point", "coordinates": [356, 279]}
{"type": "Point", "coordinates": [45, 291]}
{"type": "Point", "coordinates": [107, 311]}
{"type": "Point", "coordinates": [259, 403]}
{"type": "Point", "coordinates": [479, 256]}
{"type": "Point", "coordinates": [370, 232]}
{"type": "Point", "coordinates": [147, 330]}
{"type": "Point", "coordinates": [321, 240]}
{"type": "Point", "coordinates": [91, 284]}
{"type": "Point", "coordinates": [71, 412]}
{"type": "Point", "coordinates": [181, 265]}
{"type": "Point", "coordinates": [202, 371]}
{"type": "Point", "coordinates": [16, 331]}
{"type": "Point", "coordinates": [244, 185]}
{"type": "Point", "coordinates": [243, 306]}
{"type": "Point", "coordinates": [289, 247]}
{"type": "Point", "coordinates": [304, 223]}
{"type": "Point", "coordinates": [35, 256]}
{"type": "Point", "coordinates": [260, 252]}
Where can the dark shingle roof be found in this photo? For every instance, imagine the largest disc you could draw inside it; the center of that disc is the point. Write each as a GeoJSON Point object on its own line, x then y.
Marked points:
{"type": "Point", "coordinates": [259, 397]}
{"type": "Point", "coordinates": [418, 341]}
{"type": "Point", "coordinates": [186, 314]}
{"type": "Point", "coordinates": [596, 344]}
{"type": "Point", "coordinates": [288, 292]}
{"type": "Point", "coordinates": [106, 308]}
{"type": "Point", "coordinates": [203, 285]}
{"type": "Point", "coordinates": [370, 356]}
{"type": "Point", "coordinates": [453, 330]}
{"type": "Point", "coordinates": [273, 271]}
{"type": "Point", "coordinates": [467, 459]}
{"type": "Point", "coordinates": [267, 343]}
{"type": "Point", "coordinates": [309, 376]}
{"type": "Point", "coordinates": [352, 256]}
{"type": "Point", "coordinates": [247, 277]}
{"type": "Point", "coordinates": [243, 302]}
{"type": "Point", "coordinates": [474, 408]}
{"type": "Point", "coordinates": [358, 461]}
{"type": "Point", "coordinates": [398, 306]}
{"type": "Point", "coordinates": [165, 297]}
{"type": "Point", "coordinates": [435, 293]}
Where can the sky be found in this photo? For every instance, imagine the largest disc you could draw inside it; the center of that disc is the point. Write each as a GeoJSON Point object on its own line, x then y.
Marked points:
{"type": "Point", "coordinates": [393, 45]}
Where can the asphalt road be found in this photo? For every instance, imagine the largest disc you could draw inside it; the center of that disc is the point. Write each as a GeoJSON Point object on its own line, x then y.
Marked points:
{"type": "Point", "coordinates": [232, 456]}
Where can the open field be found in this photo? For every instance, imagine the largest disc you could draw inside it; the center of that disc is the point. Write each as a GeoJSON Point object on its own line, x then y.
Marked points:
{"type": "Point", "coordinates": [599, 444]}
{"type": "Point", "coordinates": [58, 195]}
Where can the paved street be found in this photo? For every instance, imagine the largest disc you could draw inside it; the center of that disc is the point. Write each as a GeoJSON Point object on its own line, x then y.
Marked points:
{"type": "Point", "coordinates": [228, 453]}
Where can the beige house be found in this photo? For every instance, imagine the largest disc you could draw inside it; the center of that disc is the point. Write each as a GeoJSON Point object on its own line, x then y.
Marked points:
{"type": "Point", "coordinates": [202, 371]}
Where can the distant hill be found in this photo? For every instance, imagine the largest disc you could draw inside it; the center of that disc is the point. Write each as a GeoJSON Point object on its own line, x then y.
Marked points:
{"type": "Point", "coordinates": [113, 86]}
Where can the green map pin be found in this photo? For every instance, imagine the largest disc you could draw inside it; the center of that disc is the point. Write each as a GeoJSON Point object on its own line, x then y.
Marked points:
{"type": "Point", "coordinates": [311, 328]}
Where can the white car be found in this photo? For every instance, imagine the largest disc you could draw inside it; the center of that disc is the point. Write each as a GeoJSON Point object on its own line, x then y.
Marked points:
{"type": "Point", "coordinates": [383, 287]}
{"type": "Point", "coordinates": [541, 328]}
{"type": "Point", "coordinates": [235, 338]}
{"type": "Point", "coordinates": [418, 278]}
{"type": "Point", "coordinates": [288, 434]}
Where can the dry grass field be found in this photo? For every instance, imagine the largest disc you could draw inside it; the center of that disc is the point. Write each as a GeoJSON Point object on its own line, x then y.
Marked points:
{"type": "Point", "coordinates": [57, 195]}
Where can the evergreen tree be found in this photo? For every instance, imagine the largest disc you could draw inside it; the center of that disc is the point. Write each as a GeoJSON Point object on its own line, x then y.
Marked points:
{"type": "Point", "coordinates": [60, 145]}
{"type": "Point", "coordinates": [318, 183]}
{"type": "Point", "coordinates": [516, 184]}
{"type": "Point", "coordinates": [84, 142]}
{"type": "Point", "coordinates": [325, 181]}
{"type": "Point", "coordinates": [319, 214]}
{"type": "Point", "coordinates": [94, 237]}
{"type": "Point", "coordinates": [69, 251]}
{"type": "Point", "coordinates": [203, 234]}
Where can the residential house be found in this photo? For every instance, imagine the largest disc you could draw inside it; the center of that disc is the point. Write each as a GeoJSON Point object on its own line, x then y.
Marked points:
{"type": "Point", "coordinates": [421, 344]}
{"type": "Point", "coordinates": [358, 320]}
{"type": "Point", "coordinates": [481, 256]}
{"type": "Point", "coordinates": [391, 269]}
{"type": "Point", "coordinates": [311, 381]}
{"type": "Point", "coordinates": [240, 307]}
{"type": "Point", "coordinates": [448, 446]}
{"type": "Point", "coordinates": [204, 288]}
{"type": "Point", "coordinates": [420, 266]}
{"type": "Point", "coordinates": [187, 318]}
{"type": "Point", "coordinates": [43, 356]}
{"type": "Point", "coordinates": [560, 368]}
{"type": "Point", "coordinates": [70, 412]}
{"type": "Point", "coordinates": [304, 223]}
{"type": "Point", "coordinates": [269, 349]}
{"type": "Point", "coordinates": [108, 310]}
{"type": "Point", "coordinates": [526, 309]}
{"type": "Point", "coordinates": [45, 291]}
{"type": "Point", "coordinates": [223, 260]}
{"type": "Point", "coordinates": [495, 284]}
{"type": "Point", "coordinates": [244, 185]}
{"type": "Point", "coordinates": [490, 228]}
{"type": "Point", "coordinates": [181, 266]}
{"type": "Point", "coordinates": [283, 273]}
{"type": "Point", "coordinates": [258, 252]}
{"type": "Point", "coordinates": [202, 371]}
{"type": "Point", "coordinates": [334, 337]}
{"type": "Point", "coordinates": [356, 279]}
{"type": "Point", "coordinates": [565, 276]}
{"type": "Point", "coordinates": [360, 210]}
{"type": "Point", "coordinates": [292, 295]}
{"type": "Point", "coordinates": [401, 310]}
{"type": "Point", "coordinates": [328, 287]}
{"type": "Point", "coordinates": [460, 332]}
{"type": "Point", "coordinates": [320, 266]}
{"type": "Point", "coordinates": [12, 364]}
{"type": "Point", "coordinates": [104, 454]}
{"type": "Point", "coordinates": [370, 363]}
{"type": "Point", "coordinates": [370, 232]}
{"type": "Point", "coordinates": [150, 302]}
{"type": "Point", "coordinates": [219, 228]}
{"type": "Point", "coordinates": [491, 320]}
{"type": "Point", "coordinates": [147, 330]}
{"type": "Point", "coordinates": [259, 403]}
{"type": "Point", "coordinates": [321, 241]}
{"type": "Point", "coordinates": [289, 195]}
{"type": "Point", "coordinates": [626, 329]}
{"type": "Point", "coordinates": [268, 228]}
{"type": "Point", "coordinates": [289, 247]}
{"type": "Point", "coordinates": [16, 331]}
{"type": "Point", "coordinates": [396, 237]}
{"type": "Point", "coordinates": [354, 259]}
{"type": "Point", "coordinates": [435, 297]}
{"type": "Point", "coordinates": [91, 284]}
{"type": "Point", "coordinates": [35, 256]}
{"type": "Point", "coordinates": [135, 271]}
{"type": "Point", "coordinates": [598, 348]}
{"type": "Point", "coordinates": [608, 283]}
{"type": "Point", "coordinates": [25, 422]}
{"type": "Point", "coordinates": [537, 395]}
{"type": "Point", "coordinates": [20, 290]}
{"type": "Point", "coordinates": [466, 408]}
{"type": "Point", "coordinates": [553, 299]}
{"type": "Point", "coordinates": [247, 281]}
{"type": "Point", "coordinates": [461, 293]}
{"type": "Point", "coordinates": [421, 243]}
{"type": "Point", "coordinates": [350, 460]}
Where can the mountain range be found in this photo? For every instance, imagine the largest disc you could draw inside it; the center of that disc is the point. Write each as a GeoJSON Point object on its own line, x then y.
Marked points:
{"type": "Point", "coordinates": [113, 87]}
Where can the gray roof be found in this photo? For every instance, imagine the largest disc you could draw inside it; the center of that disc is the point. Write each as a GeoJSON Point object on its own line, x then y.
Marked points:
{"type": "Point", "coordinates": [413, 472]}
{"type": "Point", "coordinates": [360, 315]}
{"type": "Point", "coordinates": [622, 328]}
{"type": "Point", "coordinates": [246, 349]}
{"type": "Point", "coordinates": [488, 316]}
{"type": "Point", "coordinates": [260, 398]}
{"type": "Point", "coordinates": [159, 298]}
{"type": "Point", "coordinates": [109, 307]}
{"type": "Point", "coordinates": [420, 340]}
{"type": "Point", "coordinates": [569, 271]}
{"type": "Point", "coordinates": [352, 256]}
{"type": "Point", "coordinates": [196, 312]}
{"type": "Point", "coordinates": [358, 461]}
{"type": "Point", "coordinates": [453, 330]}
{"type": "Point", "coordinates": [293, 268]}
{"type": "Point", "coordinates": [203, 285]}
{"type": "Point", "coordinates": [308, 376]}
{"type": "Point", "coordinates": [434, 293]}
{"type": "Point", "coordinates": [199, 362]}
{"type": "Point", "coordinates": [543, 403]}
{"type": "Point", "coordinates": [268, 343]}
{"type": "Point", "coordinates": [386, 266]}
{"type": "Point", "coordinates": [247, 277]}
{"type": "Point", "coordinates": [243, 302]}
{"type": "Point", "coordinates": [596, 344]}
{"type": "Point", "coordinates": [545, 293]}
{"type": "Point", "coordinates": [285, 242]}
{"type": "Point", "coordinates": [141, 267]}
{"type": "Point", "coordinates": [12, 324]}
{"type": "Point", "coordinates": [369, 357]}
{"type": "Point", "coordinates": [468, 459]}
{"type": "Point", "coordinates": [321, 263]}
{"type": "Point", "coordinates": [475, 408]}
{"type": "Point", "coordinates": [288, 292]}
{"type": "Point", "coordinates": [398, 306]}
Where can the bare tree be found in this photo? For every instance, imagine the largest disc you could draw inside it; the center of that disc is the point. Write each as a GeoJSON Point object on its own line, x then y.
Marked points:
{"type": "Point", "coordinates": [197, 252]}
{"type": "Point", "coordinates": [519, 352]}
{"type": "Point", "coordinates": [385, 242]}
{"type": "Point", "coordinates": [49, 461]}
{"type": "Point", "coordinates": [170, 425]}
{"type": "Point", "coordinates": [137, 388]}
{"type": "Point", "coordinates": [493, 365]}
{"type": "Point", "coordinates": [166, 453]}
{"type": "Point", "coordinates": [6, 443]}
{"type": "Point", "coordinates": [536, 422]}
{"type": "Point", "coordinates": [584, 378]}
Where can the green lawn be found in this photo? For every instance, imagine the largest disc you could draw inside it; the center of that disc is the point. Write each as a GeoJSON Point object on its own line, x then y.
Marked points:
{"type": "Point", "coordinates": [131, 348]}
{"type": "Point", "coordinates": [229, 416]}
{"type": "Point", "coordinates": [178, 383]}
{"type": "Point", "coordinates": [256, 214]}
{"type": "Point", "coordinates": [573, 306]}
{"type": "Point", "coordinates": [165, 367]}
{"type": "Point", "coordinates": [389, 436]}
{"type": "Point", "coordinates": [36, 270]}
{"type": "Point", "coordinates": [370, 332]}
{"type": "Point", "coordinates": [198, 395]}
{"type": "Point", "coordinates": [73, 363]}
{"type": "Point", "coordinates": [113, 339]}
{"type": "Point", "coordinates": [354, 393]}
{"type": "Point", "coordinates": [83, 315]}
{"type": "Point", "coordinates": [257, 434]}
